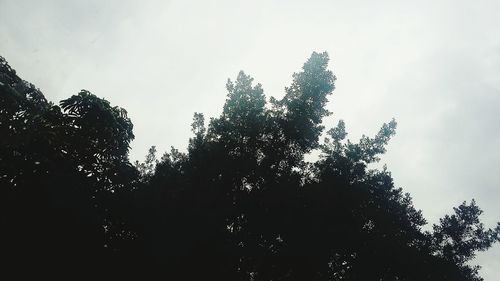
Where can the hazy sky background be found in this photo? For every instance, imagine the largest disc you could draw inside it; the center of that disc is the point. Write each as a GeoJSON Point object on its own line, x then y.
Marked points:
{"type": "Point", "coordinates": [433, 65]}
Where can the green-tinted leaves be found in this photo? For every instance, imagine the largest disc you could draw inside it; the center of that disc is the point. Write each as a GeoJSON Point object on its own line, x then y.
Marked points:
{"type": "Point", "coordinates": [459, 236]}
{"type": "Point", "coordinates": [106, 130]}
{"type": "Point", "coordinates": [303, 106]}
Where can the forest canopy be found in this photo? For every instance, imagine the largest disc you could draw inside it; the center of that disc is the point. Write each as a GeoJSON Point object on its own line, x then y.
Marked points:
{"type": "Point", "coordinates": [240, 204]}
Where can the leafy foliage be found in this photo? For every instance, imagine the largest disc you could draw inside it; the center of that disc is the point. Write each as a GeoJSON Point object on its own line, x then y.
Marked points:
{"type": "Point", "coordinates": [240, 204]}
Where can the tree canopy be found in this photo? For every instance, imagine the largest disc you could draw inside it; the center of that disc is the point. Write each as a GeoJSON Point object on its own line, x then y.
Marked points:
{"type": "Point", "coordinates": [240, 204]}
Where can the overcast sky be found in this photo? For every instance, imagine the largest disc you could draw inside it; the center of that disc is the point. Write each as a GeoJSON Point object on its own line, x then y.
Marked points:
{"type": "Point", "coordinates": [433, 65]}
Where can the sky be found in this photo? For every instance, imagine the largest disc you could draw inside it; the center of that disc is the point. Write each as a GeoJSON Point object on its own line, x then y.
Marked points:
{"type": "Point", "coordinates": [432, 65]}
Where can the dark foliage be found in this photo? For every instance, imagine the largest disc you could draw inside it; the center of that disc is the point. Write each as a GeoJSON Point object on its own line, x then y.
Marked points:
{"type": "Point", "coordinates": [240, 204]}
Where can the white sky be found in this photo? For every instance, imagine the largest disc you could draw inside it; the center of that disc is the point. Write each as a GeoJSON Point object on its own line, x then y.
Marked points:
{"type": "Point", "coordinates": [433, 65]}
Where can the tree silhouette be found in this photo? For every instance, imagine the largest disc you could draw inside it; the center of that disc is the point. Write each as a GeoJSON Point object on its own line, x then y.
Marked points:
{"type": "Point", "coordinates": [240, 204]}
{"type": "Point", "coordinates": [60, 169]}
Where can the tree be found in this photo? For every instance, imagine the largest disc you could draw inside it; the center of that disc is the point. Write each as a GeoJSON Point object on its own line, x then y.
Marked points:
{"type": "Point", "coordinates": [240, 204]}
{"type": "Point", "coordinates": [62, 168]}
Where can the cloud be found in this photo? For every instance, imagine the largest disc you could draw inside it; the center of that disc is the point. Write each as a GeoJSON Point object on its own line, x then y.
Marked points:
{"type": "Point", "coordinates": [435, 66]}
